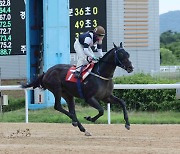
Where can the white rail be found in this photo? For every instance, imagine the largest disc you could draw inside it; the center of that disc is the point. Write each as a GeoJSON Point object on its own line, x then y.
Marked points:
{"type": "Point", "coordinates": [116, 86]}
{"type": "Point", "coordinates": [146, 86]}
{"type": "Point", "coordinates": [18, 87]}
{"type": "Point", "coordinates": [11, 87]}
{"type": "Point", "coordinates": [141, 86]}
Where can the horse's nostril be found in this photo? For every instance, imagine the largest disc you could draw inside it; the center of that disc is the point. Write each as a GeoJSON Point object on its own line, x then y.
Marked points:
{"type": "Point", "coordinates": [130, 69]}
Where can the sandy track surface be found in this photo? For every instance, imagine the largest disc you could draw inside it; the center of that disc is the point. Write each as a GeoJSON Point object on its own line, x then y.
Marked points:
{"type": "Point", "coordinates": [43, 138]}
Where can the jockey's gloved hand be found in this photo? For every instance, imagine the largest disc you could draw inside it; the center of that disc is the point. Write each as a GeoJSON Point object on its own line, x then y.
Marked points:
{"type": "Point", "coordinates": [95, 58]}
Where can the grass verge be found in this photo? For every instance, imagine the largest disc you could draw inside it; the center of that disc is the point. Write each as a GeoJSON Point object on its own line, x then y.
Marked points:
{"type": "Point", "coordinates": [49, 115]}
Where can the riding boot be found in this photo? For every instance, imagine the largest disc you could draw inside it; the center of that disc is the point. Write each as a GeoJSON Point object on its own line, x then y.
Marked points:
{"type": "Point", "coordinates": [77, 75]}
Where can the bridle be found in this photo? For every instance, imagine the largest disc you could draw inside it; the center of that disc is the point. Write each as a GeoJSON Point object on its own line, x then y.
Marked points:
{"type": "Point", "coordinates": [117, 62]}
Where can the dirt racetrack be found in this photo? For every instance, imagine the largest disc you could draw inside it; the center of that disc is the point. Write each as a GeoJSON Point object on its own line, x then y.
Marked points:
{"type": "Point", "coordinates": [45, 138]}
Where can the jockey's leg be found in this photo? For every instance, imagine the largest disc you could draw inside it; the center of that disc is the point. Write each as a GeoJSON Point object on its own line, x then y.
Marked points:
{"type": "Point", "coordinates": [81, 57]}
{"type": "Point", "coordinates": [94, 103]}
{"type": "Point", "coordinates": [80, 61]}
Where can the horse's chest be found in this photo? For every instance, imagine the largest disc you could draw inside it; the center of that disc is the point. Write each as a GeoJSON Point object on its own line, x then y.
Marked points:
{"type": "Point", "coordinates": [97, 88]}
{"type": "Point", "coordinates": [104, 90]}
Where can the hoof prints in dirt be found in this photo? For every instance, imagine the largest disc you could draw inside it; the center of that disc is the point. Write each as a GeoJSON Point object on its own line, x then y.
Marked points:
{"type": "Point", "coordinates": [21, 133]}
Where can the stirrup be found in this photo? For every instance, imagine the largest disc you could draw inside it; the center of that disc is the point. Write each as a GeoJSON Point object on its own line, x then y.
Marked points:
{"type": "Point", "coordinates": [77, 75]}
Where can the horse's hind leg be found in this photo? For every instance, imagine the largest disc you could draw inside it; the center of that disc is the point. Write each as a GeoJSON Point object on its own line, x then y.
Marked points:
{"type": "Point", "coordinates": [95, 104]}
{"type": "Point", "coordinates": [58, 106]}
{"type": "Point", "coordinates": [114, 99]}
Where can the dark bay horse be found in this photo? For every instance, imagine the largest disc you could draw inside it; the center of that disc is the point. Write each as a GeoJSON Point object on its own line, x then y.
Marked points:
{"type": "Point", "coordinates": [97, 86]}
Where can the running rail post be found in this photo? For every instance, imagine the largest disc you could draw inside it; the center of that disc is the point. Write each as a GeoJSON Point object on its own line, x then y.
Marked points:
{"type": "Point", "coordinates": [109, 113]}
{"type": "Point", "coordinates": [26, 104]}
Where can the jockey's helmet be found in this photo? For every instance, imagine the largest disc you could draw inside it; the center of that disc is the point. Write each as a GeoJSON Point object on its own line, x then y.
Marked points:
{"type": "Point", "coordinates": [99, 30]}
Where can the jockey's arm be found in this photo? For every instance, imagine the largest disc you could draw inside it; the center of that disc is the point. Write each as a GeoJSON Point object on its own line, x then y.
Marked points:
{"type": "Point", "coordinates": [86, 51]}
{"type": "Point", "coordinates": [99, 50]}
{"type": "Point", "coordinates": [86, 47]}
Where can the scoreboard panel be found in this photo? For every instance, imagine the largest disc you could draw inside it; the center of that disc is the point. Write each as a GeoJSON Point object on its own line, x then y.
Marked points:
{"type": "Point", "coordinates": [12, 27]}
{"type": "Point", "coordinates": [85, 15]}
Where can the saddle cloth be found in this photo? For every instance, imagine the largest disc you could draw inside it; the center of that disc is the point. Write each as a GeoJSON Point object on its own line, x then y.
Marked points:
{"type": "Point", "coordinates": [85, 72]}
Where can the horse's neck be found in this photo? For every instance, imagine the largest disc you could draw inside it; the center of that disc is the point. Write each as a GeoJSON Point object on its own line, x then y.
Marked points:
{"type": "Point", "coordinates": [106, 66]}
{"type": "Point", "coordinates": [108, 70]}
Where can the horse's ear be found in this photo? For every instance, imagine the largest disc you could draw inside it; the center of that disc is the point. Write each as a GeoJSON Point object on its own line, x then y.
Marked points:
{"type": "Point", "coordinates": [114, 46]}
{"type": "Point", "coordinates": [121, 45]}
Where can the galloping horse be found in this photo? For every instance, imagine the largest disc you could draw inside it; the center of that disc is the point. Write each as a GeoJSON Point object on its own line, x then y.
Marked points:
{"type": "Point", "coordinates": [97, 86]}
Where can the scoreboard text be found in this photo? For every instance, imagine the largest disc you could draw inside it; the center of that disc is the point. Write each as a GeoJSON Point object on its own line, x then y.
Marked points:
{"type": "Point", "coordinates": [85, 15]}
{"type": "Point", "coordinates": [12, 27]}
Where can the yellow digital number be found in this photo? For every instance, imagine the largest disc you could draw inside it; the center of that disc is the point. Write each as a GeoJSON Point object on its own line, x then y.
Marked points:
{"type": "Point", "coordinates": [76, 35]}
{"type": "Point", "coordinates": [79, 12]}
{"type": "Point", "coordinates": [79, 24]}
{"type": "Point", "coordinates": [95, 10]}
{"type": "Point", "coordinates": [95, 24]}
{"type": "Point", "coordinates": [76, 11]}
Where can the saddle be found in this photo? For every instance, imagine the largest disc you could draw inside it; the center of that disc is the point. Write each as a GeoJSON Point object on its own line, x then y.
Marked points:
{"type": "Point", "coordinates": [85, 71]}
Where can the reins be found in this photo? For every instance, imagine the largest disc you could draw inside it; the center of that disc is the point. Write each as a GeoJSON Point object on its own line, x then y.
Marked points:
{"type": "Point", "coordinates": [117, 62]}
{"type": "Point", "coordinates": [101, 77]}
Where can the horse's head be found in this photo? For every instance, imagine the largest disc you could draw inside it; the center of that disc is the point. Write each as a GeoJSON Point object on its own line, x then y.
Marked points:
{"type": "Point", "coordinates": [122, 58]}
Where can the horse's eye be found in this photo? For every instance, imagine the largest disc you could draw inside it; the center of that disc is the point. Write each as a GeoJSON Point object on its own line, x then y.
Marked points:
{"type": "Point", "coordinates": [121, 54]}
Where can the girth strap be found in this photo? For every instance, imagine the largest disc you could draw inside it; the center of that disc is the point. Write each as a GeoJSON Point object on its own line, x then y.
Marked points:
{"type": "Point", "coordinates": [79, 86]}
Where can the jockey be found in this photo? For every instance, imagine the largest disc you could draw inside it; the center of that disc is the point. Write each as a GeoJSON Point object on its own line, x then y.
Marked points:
{"type": "Point", "coordinates": [83, 45]}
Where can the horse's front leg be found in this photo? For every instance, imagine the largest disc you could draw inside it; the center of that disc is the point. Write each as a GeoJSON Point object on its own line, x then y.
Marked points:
{"type": "Point", "coordinates": [75, 121]}
{"type": "Point", "coordinates": [114, 99]}
{"type": "Point", "coordinates": [95, 104]}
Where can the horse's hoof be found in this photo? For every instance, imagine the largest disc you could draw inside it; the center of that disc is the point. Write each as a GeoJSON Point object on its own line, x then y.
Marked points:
{"type": "Point", "coordinates": [87, 133]}
{"type": "Point", "coordinates": [127, 127]}
{"type": "Point", "coordinates": [88, 118]}
{"type": "Point", "coordinates": [75, 124]}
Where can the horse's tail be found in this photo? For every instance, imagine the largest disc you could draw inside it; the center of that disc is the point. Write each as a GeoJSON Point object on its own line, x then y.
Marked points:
{"type": "Point", "coordinates": [36, 83]}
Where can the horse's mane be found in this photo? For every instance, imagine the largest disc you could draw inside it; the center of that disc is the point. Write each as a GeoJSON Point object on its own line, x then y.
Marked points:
{"type": "Point", "coordinates": [104, 57]}
{"type": "Point", "coordinates": [107, 53]}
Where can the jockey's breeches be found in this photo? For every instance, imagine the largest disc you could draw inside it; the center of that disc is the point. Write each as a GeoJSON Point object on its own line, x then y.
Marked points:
{"type": "Point", "coordinates": [81, 57]}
